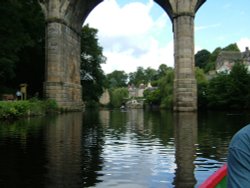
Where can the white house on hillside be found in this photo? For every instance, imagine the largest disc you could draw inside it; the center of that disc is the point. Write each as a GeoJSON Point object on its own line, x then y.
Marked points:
{"type": "Point", "coordinates": [226, 60]}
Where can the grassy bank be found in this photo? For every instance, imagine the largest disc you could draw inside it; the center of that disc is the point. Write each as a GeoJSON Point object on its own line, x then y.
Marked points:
{"type": "Point", "coordinates": [33, 107]}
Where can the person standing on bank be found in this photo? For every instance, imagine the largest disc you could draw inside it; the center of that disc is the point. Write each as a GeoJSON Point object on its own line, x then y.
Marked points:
{"type": "Point", "coordinates": [18, 95]}
{"type": "Point", "coordinates": [238, 161]}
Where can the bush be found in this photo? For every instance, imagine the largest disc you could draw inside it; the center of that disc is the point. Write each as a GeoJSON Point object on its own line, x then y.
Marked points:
{"type": "Point", "coordinates": [50, 106]}
{"type": "Point", "coordinates": [33, 107]}
{"type": "Point", "coordinates": [118, 96]}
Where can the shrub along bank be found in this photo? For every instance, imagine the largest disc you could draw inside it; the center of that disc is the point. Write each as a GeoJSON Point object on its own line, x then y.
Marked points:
{"type": "Point", "coordinates": [27, 108]}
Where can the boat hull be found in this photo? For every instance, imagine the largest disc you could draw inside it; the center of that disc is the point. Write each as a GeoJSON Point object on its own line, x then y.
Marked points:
{"type": "Point", "coordinates": [217, 179]}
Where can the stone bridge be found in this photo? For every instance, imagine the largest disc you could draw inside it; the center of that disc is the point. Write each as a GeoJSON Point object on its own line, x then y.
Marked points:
{"type": "Point", "coordinates": [64, 20]}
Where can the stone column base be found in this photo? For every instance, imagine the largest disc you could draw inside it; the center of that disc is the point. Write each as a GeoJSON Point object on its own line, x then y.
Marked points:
{"type": "Point", "coordinates": [67, 95]}
{"type": "Point", "coordinates": [185, 95]}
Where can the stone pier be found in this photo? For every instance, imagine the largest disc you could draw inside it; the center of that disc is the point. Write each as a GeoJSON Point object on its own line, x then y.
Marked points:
{"type": "Point", "coordinates": [63, 66]}
{"type": "Point", "coordinates": [182, 14]}
{"type": "Point", "coordinates": [64, 21]}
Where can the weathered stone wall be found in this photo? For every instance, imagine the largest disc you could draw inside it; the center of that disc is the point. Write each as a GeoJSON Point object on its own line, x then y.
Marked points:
{"type": "Point", "coordinates": [182, 13]}
{"type": "Point", "coordinates": [185, 87]}
{"type": "Point", "coordinates": [63, 66]}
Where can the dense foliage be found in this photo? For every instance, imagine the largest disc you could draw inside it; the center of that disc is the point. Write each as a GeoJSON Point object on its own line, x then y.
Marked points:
{"type": "Point", "coordinates": [92, 75]}
{"type": "Point", "coordinates": [230, 91]}
{"type": "Point", "coordinates": [142, 76]}
{"type": "Point", "coordinates": [202, 84]}
{"type": "Point", "coordinates": [21, 45]}
{"type": "Point", "coordinates": [162, 93]}
{"type": "Point", "coordinates": [117, 79]}
{"type": "Point", "coordinates": [202, 58]}
{"type": "Point", "coordinates": [17, 109]}
{"type": "Point", "coordinates": [118, 96]}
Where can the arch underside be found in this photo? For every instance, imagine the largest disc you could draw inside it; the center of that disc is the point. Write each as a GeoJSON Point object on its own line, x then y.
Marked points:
{"type": "Point", "coordinates": [167, 6]}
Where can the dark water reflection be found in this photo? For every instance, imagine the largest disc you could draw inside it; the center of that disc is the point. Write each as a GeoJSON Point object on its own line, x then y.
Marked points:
{"type": "Point", "coordinates": [185, 125]}
{"type": "Point", "coordinates": [116, 149]}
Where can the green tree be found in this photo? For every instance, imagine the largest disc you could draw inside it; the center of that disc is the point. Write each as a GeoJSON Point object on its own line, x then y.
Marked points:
{"type": "Point", "coordinates": [138, 77]}
{"type": "Point", "coordinates": [230, 91]}
{"type": "Point", "coordinates": [22, 44]}
{"type": "Point", "coordinates": [202, 84]}
{"type": "Point", "coordinates": [118, 96]}
{"type": "Point", "coordinates": [150, 75]}
{"type": "Point", "coordinates": [117, 79]}
{"type": "Point", "coordinates": [218, 92]}
{"type": "Point", "coordinates": [215, 54]}
{"type": "Point", "coordinates": [92, 75]}
{"type": "Point", "coordinates": [162, 94]}
{"type": "Point", "coordinates": [165, 85]}
{"type": "Point", "coordinates": [143, 76]}
{"type": "Point", "coordinates": [153, 97]}
{"type": "Point", "coordinates": [232, 47]}
{"type": "Point", "coordinates": [162, 70]}
{"type": "Point", "coordinates": [12, 38]}
{"type": "Point", "coordinates": [202, 58]}
{"type": "Point", "coordinates": [239, 82]}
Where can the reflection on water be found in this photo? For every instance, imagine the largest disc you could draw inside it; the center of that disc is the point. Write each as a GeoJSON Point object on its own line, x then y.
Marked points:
{"type": "Point", "coordinates": [63, 143]}
{"type": "Point", "coordinates": [22, 154]}
{"type": "Point", "coordinates": [185, 140]}
{"type": "Point", "coordinates": [133, 153]}
{"type": "Point", "coordinates": [105, 148]}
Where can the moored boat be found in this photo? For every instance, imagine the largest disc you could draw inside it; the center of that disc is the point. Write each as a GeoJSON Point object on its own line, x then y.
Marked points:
{"type": "Point", "coordinates": [217, 179]}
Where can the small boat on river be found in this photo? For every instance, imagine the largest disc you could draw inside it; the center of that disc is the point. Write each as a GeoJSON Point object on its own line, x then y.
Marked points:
{"type": "Point", "coordinates": [217, 180]}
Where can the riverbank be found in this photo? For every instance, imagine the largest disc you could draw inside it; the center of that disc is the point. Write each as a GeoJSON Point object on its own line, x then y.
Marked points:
{"type": "Point", "coordinates": [26, 108]}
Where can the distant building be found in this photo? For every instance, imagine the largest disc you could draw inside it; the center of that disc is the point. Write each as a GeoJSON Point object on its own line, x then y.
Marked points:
{"type": "Point", "coordinates": [136, 92]}
{"type": "Point", "coordinates": [226, 60]}
{"type": "Point", "coordinates": [246, 58]}
{"type": "Point", "coordinates": [136, 95]}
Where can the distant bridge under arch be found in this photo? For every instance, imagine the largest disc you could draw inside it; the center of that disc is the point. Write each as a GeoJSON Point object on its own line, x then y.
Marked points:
{"type": "Point", "coordinates": [64, 20]}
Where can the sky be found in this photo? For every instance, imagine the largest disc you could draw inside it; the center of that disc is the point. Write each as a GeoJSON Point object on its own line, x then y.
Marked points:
{"type": "Point", "coordinates": [137, 33]}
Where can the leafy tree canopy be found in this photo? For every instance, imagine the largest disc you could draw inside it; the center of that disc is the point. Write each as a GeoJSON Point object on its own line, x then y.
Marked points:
{"type": "Point", "coordinates": [202, 58]}
{"type": "Point", "coordinates": [232, 47]}
{"type": "Point", "coordinates": [118, 96]}
{"type": "Point", "coordinates": [137, 77]}
{"type": "Point", "coordinates": [117, 79]}
{"type": "Point", "coordinates": [91, 60]}
{"type": "Point", "coordinates": [21, 44]}
{"type": "Point", "coordinates": [143, 76]}
{"type": "Point", "coordinates": [162, 70]}
{"type": "Point", "coordinates": [230, 91]}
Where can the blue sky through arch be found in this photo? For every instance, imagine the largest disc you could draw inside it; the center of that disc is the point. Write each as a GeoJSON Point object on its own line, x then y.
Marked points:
{"type": "Point", "coordinates": [139, 33]}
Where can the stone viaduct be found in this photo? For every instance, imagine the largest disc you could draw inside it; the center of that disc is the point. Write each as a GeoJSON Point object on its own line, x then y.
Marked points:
{"type": "Point", "coordinates": [64, 20]}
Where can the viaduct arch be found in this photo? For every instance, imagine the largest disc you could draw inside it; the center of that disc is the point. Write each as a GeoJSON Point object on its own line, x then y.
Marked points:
{"type": "Point", "coordinates": [64, 20]}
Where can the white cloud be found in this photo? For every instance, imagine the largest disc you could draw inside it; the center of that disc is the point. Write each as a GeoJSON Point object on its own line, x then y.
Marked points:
{"type": "Point", "coordinates": [243, 43]}
{"type": "Point", "coordinates": [130, 37]}
{"type": "Point", "coordinates": [130, 20]}
{"type": "Point", "coordinates": [197, 28]}
{"type": "Point", "coordinates": [153, 57]}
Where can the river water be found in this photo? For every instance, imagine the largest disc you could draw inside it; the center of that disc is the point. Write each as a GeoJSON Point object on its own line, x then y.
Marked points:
{"type": "Point", "coordinates": [134, 148]}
